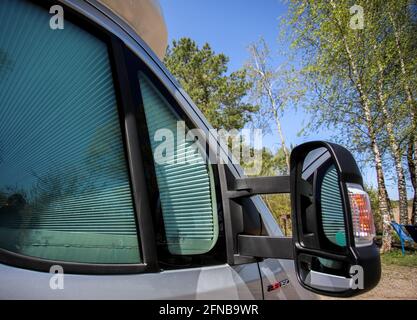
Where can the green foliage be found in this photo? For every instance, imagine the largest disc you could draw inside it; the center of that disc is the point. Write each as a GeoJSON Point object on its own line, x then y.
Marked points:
{"type": "Point", "coordinates": [203, 75]}
{"type": "Point", "coordinates": [333, 52]}
{"type": "Point", "coordinates": [273, 164]}
{"type": "Point", "coordinates": [373, 197]}
{"type": "Point", "coordinates": [395, 238]}
{"type": "Point", "coordinates": [333, 99]}
{"type": "Point", "coordinates": [362, 81]}
{"type": "Point", "coordinates": [279, 204]}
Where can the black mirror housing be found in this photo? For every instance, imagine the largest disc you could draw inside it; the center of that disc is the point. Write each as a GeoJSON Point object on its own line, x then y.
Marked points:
{"type": "Point", "coordinates": [332, 244]}
{"type": "Point", "coordinates": [330, 256]}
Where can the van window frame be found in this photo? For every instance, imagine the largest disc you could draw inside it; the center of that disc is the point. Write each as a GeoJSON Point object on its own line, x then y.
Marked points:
{"type": "Point", "coordinates": [134, 65]}
{"type": "Point", "coordinates": [134, 164]}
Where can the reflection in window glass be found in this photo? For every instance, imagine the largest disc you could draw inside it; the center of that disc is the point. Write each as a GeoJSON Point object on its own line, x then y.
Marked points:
{"type": "Point", "coordinates": [64, 187]}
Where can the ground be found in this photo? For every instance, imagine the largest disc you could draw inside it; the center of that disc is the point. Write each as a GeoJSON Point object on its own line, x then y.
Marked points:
{"type": "Point", "coordinates": [398, 281]}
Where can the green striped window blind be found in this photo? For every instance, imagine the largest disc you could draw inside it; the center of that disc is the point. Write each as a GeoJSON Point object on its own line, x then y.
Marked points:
{"type": "Point", "coordinates": [185, 181]}
{"type": "Point", "coordinates": [332, 208]}
{"type": "Point", "coordinates": [64, 187]}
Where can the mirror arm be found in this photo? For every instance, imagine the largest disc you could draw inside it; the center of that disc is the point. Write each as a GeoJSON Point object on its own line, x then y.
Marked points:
{"type": "Point", "coordinates": [266, 247]}
{"type": "Point", "coordinates": [246, 187]}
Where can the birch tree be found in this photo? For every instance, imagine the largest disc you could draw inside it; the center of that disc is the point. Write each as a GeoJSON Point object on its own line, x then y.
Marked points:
{"type": "Point", "coordinates": [382, 74]}
{"type": "Point", "coordinates": [401, 15]}
{"type": "Point", "coordinates": [275, 89]}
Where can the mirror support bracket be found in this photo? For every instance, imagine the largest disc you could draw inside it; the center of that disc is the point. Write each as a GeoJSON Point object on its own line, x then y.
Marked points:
{"type": "Point", "coordinates": [246, 187]}
{"type": "Point", "coordinates": [266, 247]}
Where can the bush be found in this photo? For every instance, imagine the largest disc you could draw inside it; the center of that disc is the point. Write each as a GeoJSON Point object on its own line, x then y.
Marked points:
{"type": "Point", "coordinates": [280, 206]}
{"type": "Point", "coordinates": [395, 257]}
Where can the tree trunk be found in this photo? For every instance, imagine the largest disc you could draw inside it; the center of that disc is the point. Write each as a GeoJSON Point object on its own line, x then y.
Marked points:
{"type": "Point", "coordinates": [396, 151]}
{"type": "Point", "coordinates": [282, 138]}
{"type": "Point", "coordinates": [413, 112]}
{"type": "Point", "coordinates": [284, 222]}
{"type": "Point", "coordinates": [411, 152]}
{"type": "Point", "coordinates": [384, 206]}
{"type": "Point", "coordinates": [267, 86]}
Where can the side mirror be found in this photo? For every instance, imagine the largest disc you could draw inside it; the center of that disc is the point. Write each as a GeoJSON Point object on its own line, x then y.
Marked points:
{"type": "Point", "coordinates": [333, 227]}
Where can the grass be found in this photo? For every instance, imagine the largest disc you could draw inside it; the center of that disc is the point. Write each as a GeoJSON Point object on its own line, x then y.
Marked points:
{"type": "Point", "coordinates": [395, 257]}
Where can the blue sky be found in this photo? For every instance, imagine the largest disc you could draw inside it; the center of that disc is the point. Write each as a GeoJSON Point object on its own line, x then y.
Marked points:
{"type": "Point", "coordinates": [229, 26]}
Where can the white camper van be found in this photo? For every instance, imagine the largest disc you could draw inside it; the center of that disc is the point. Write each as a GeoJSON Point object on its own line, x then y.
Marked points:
{"type": "Point", "coordinates": [83, 96]}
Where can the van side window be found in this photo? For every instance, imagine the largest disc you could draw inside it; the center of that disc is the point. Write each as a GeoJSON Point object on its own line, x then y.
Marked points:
{"type": "Point", "coordinates": [185, 181]}
{"type": "Point", "coordinates": [64, 185]}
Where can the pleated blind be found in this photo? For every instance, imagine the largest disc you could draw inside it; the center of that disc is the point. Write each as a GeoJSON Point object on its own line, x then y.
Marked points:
{"type": "Point", "coordinates": [185, 181]}
{"type": "Point", "coordinates": [332, 208]}
{"type": "Point", "coordinates": [64, 187]}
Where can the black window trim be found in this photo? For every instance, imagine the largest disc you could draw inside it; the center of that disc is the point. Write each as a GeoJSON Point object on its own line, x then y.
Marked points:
{"type": "Point", "coordinates": [130, 133]}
